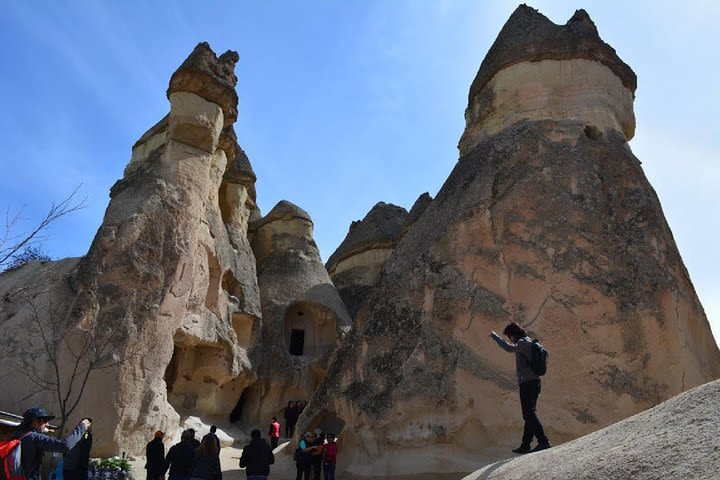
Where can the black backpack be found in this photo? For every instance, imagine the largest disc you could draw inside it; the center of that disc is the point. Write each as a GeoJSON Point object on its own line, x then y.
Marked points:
{"type": "Point", "coordinates": [538, 360]}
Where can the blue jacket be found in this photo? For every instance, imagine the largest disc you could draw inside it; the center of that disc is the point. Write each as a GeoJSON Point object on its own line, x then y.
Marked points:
{"type": "Point", "coordinates": [35, 443]}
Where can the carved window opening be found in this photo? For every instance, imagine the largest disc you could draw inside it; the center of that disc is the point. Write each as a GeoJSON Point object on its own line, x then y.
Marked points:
{"type": "Point", "coordinates": [297, 341]}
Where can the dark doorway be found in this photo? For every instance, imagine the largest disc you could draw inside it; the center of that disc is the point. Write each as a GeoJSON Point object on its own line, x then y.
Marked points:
{"type": "Point", "coordinates": [297, 341]}
{"type": "Point", "coordinates": [238, 410]}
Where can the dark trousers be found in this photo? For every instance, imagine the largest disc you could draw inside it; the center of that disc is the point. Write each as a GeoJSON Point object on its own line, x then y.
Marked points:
{"type": "Point", "coordinates": [329, 471]}
{"type": "Point", "coordinates": [274, 442]}
{"type": "Point", "coordinates": [529, 392]}
{"type": "Point", "coordinates": [79, 474]}
{"type": "Point", "coordinates": [317, 468]}
{"type": "Point", "coordinates": [303, 470]}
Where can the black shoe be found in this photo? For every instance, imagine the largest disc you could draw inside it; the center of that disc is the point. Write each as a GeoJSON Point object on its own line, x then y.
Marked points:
{"type": "Point", "coordinates": [522, 450]}
{"type": "Point", "coordinates": [541, 446]}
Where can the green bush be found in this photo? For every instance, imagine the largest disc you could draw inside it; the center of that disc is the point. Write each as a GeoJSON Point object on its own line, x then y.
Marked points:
{"type": "Point", "coordinates": [115, 462]}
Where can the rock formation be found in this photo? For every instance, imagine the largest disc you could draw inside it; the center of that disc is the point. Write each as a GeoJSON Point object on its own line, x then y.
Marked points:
{"type": "Point", "coordinates": [303, 315]}
{"type": "Point", "coordinates": [172, 275]}
{"type": "Point", "coordinates": [204, 309]}
{"type": "Point", "coordinates": [676, 439]}
{"type": "Point", "coordinates": [547, 219]}
{"type": "Point", "coordinates": [355, 265]}
{"type": "Point", "coordinates": [171, 263]}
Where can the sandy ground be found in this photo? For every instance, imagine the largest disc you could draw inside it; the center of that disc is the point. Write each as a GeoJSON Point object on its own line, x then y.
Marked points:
{"type": "Point", "coordinates": [283, 469]}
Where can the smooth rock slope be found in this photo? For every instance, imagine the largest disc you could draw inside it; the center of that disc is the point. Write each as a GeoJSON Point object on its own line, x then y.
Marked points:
{"type": "Point", "coordinates": [676, 439]}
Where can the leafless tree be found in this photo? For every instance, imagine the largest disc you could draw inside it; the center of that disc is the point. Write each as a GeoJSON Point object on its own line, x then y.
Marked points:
{"type": "Point", "coordinates": [73, 346]}
{"type": "Point", "coordinates": [14, 244]}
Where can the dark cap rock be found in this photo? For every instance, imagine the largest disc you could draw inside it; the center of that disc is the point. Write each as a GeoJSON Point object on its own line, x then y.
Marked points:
{"type": "Point", "coordinates": [382, 227]}
{"type": "Point", "coordinates": [529, 36]}
{"type": "Point", "coordinates": [210, 77]}
{"type": "Point", "coordinates": [240, 171]}
{"type": "Point", "coordinates": [284, 210]}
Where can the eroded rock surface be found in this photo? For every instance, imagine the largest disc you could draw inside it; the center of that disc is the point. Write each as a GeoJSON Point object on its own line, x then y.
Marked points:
{"type": "Point", "coordinates": [171, 269]}
{"type": "Point", "coordinates": [172, 258]}
{"type": "Point", "coordinates": [548, 220]}
{"type": "Point", "coordinates": [355, 265]}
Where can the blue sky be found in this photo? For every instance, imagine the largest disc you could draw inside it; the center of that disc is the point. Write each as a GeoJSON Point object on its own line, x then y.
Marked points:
{"type": "Point", "coordinates": [342, 103]}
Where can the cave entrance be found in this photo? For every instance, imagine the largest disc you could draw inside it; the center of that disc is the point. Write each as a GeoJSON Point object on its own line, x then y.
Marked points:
{"type": "Point", "coordinates": [171, 372]}
{"type": "Point", "coordinates": [237, 412]}
{"type": "Point", "coordinates": [297, 341]}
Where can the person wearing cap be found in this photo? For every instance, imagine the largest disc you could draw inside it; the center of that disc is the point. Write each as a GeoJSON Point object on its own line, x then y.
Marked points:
{"type": "Point", "coordinates": [155, 457]}
{"type": "Point", "coordinates": [256, 458]}
{"type": "Point", "coordinates": [34, 441]}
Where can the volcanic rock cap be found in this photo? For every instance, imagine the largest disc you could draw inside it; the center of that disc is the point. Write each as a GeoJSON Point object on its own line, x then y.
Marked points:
{"type": "Point", "coordinates": [539, 70]}
{"type": "Point", "coordinates": [355, 265]}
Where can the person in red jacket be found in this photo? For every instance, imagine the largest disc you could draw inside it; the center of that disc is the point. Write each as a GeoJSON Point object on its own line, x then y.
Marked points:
{"type": "Point", "coordinates": [274, 433]}
{"type": "Point", "coordinates": [330, 450]}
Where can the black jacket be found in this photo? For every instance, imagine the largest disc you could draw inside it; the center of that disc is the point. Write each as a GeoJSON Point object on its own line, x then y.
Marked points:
{"type": "Point", "coordinates": [257, 457]}
{"type": "Point", "coordinates": [78, 458]}
{"type": "Point", "coordinates": [213, 437]}
{"type": "Point", "coordinates": [180, 459]}
{"type": "Point", "coordinates": [155, 453]}
{"type": "Point", "coordinates": [207, 467]}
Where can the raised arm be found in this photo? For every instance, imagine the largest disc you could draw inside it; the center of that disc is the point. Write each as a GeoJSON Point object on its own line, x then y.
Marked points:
{"type": "Point", "coordinates": [508, 347]}
{"type": "Point", "coordinates": [50, 444]}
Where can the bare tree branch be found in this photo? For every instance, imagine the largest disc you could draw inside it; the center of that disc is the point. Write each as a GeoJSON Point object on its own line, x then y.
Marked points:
{"type": "Point", "coordinates": [71, 353]}
{"type": "Point", "coordinates": [12, 242]}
